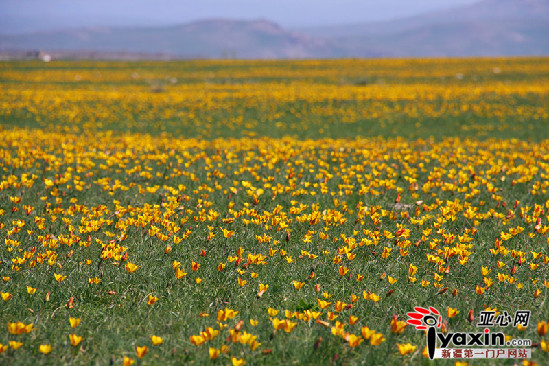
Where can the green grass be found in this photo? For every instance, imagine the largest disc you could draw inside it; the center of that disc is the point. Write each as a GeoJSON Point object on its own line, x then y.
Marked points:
{"type": "Point", "coordinates": [489, 152]}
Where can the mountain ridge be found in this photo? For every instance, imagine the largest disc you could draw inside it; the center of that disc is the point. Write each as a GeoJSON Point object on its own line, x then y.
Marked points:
{"type": "Point", "coordinates": [485, 28]}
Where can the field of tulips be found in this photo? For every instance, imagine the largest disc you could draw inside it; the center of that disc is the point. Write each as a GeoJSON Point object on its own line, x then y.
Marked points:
{"type": "Point", "coordinates": [273, 212]}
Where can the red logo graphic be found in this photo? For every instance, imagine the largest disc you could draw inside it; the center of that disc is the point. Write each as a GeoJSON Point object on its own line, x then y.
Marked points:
{"type": "Point", "coordinates": [425, 318]}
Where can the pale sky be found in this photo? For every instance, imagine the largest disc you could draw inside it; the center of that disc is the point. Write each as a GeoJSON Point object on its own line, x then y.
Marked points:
{"type": "Point", "coordinates": [18, 16]}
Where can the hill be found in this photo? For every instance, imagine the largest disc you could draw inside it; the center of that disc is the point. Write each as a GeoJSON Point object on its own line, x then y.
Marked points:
{"type": "Point", "coordinates": [485, 28]}
{"type": "Point", "coordinates": [215, 38]}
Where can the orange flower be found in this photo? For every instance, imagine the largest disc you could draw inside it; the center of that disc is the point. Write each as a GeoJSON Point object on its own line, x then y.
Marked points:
{"type": "Point", "coordinates": [141, 351]}
{"type": "Point", "coordinates": [289, 326]}
{"type": "Point", "coordinates": [404, 349]}
{"type": "Point", "coordinates": [542, 328]}
{"type": "Point", "coordinates": [227, 233]}
{"type": "Point", "coordinates": [354, 340]}
{"type": "Point", "coordinates": [323, 304]}
{"type": "Point", "coordinates": [452, 312]}
{"type": "Point", "coordinates": [340, 306]}
{"type": "Point", "coordinates": [19, 328]}
{"type": "Point", "coordinates": [367, 332]}
{"type": "Point", "coordinates": [397, 326]}
{"type": "Point", "coordinates": [197, 340]}
{"type": "Point", "coordinates": [376, 339]}
{"type": "Point", "coordinates": [75, 339]}
{"type": "Point", "coordinates": [195, 266]}
{"type": "Point", "coordinates": [59, 278]}
{"type": "Point", "coordinates": [152, 299]}
{"type": "Point", "coordinates": [131, 268]}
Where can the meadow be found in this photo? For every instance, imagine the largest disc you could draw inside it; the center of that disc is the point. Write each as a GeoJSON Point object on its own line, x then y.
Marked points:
{"type": "Point", "coordinates": [269, 212]}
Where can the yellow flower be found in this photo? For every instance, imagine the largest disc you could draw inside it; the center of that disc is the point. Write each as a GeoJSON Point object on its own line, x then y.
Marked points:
{"type": "Point", "coordinates": [542, 328]}
{"type": "Point", "coordinates": [197, 340]}
{"type": "Point", "coordinates": [289, 326]}
{"type": "Point", "coordinates": [128, 361]}
{"type": "Point", "coordinates": [74, 322]}
{"type": "Point", "coordinates": [412, 270]}
{"type": "Point", "coordinates": [5, 296]}
{"type": "Point", "coordinates": [323, 304]}
{"type": "Point", "coordinates": [376, 339]}
{"type": "Point", "coordinates": [75, 339]}
{"type": "Point", "coordinates": [404, 349]}
{"type": "Point", "coordinates": [31, 290]}
{"type": "Point", "coordinates": [3, 348]}
{"type": "Point", "coordinates": [45, 348]}
{"type": "Point", "coordinates": [15, 345]}
{"type": "Point", "coordinates": [152, 299]}
{"type": "Point", "coordinates": [131, 268]}
{"type": "Point", "coordinates": [227, 233]}
{"type": "Point", "coordinates": [59, 278]}
{"type": "Point", "coordinates": [156, 340]}
{"type": "Point", "coordinates": [254, 322]}
{"type": "Point", "coordinates": [223, 315]}
{"type": "Point", "coordinates": [452, 312]}
{"type": "Point", "coordinates": [141, 351]}
{"type": "Point", "coordinates": [214, 353]}
{"type": "Point", "coordinates": [237, 362]}
{"type": "Point", "coordinates": [354, 340]}
{"type": "Point", "coordinates": [19, 328]}
{"type": "Point", "coordinates": [272, 312]}
{"type": "Point", "coordinates": [398, 326]}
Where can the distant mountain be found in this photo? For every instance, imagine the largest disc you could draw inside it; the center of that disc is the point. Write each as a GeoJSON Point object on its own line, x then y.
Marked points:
{"type": "Point", "coordinates": [485, 28]}
{"type": "Point", "coordinates": [490, 10]}
{"type": "Point", "coordinates": [217, 38]}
